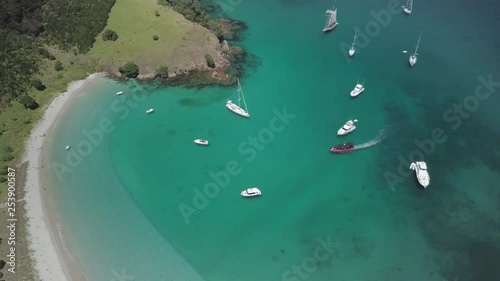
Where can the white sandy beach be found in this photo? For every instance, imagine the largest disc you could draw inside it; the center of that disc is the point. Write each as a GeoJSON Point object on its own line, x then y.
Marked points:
{"type": "Point", "coordinates": [52, 262]}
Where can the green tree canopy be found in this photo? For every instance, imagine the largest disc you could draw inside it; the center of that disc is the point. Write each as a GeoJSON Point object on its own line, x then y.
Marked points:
{"type": "Point", "coordinates": [130, 70]}
{"type": "Point", "coordinates": [162, 72]}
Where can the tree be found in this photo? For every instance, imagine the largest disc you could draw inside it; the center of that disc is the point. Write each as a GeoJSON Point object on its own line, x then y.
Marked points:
{"type": "Point", "coordinates": [37, 83]}
{"type": "Point", "coordinates": [157, 14]}
{"type": "Point", "coordinates": [210, 61]}
{"type": "Point", "coordinates": [28, 102]}
{"type": "Point", "coordinates": [162, 72]}
{"type": "Point", "coordinates": [58, 66]}
{"type": "Point", "coordinates": [109, 35]}
{"type": "Point", "coordinates": [130, 70]}
{"type": "Point", "coordinates": [155, 37]}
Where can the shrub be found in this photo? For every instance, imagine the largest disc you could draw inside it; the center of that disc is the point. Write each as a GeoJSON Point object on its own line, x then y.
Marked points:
{"type": "Point", "coordinates": [28, 102]}
{"type": "Point", "coordinates": [157, 14]}
{"type": "Point", "coordinates": [58, 66]}
{"type": "Point", "coordinates": [3, 172]}
{"type": "Point", "coordinates": [130, 70]}
{"type": "Point", "coordinates": [109, 35]}
{"type": "Point", "coordinates": [155, 37]}
{"type": "Point", "coordinates": [210, 61]}
{"type": "Point", "coordinates": [59, 76]}
{"type": "Point", "coordinates": [46, 54]}
{"type": "Point", "coordinates": [7, 157]}
{"type": "Point", "coordinates": [37, 83]}
{"type": "Point", "coordinates": [3, 179]}
{"type": "Point", "coordinates": [7, 149]}
{"type": "Point", "coordinates": [162, 72]}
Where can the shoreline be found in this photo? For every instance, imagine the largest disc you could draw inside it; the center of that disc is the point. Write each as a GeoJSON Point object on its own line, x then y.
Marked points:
{"type": "Point", "coordinates": [51, 260]}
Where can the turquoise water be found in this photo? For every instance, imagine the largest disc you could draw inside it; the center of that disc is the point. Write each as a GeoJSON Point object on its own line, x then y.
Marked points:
{"type": "Point", "coordinates": [133, 203]}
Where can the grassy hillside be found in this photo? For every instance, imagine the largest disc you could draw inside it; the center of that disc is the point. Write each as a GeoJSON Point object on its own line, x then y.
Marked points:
{"type": "Point", "coordinates": [180, 42]}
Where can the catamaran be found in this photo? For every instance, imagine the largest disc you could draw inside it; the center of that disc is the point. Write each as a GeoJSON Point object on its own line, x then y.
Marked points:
{"type": "Point", "coordinates": [421, 172]}
{"type": "Point", "coordinates": [331, 23]}
{"type": "Point", "coordinates": [236, 108]}
{"type": "Point", "coordinates": [358, 89]}
{"type": "Point", "coordinates": [409, 7]}
{"type": "Point", "coordinates": [347, 128]}
{"type": "Point", "coordinates": [352, 50]}
{"type": "Point", "coordinates": [413, 58]}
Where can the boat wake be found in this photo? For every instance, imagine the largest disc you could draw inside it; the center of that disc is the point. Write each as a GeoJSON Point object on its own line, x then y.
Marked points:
{"type": "Point", "coordinates": [380, 137]}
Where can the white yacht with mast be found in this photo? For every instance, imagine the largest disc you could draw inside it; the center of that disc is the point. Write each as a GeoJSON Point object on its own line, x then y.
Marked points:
{"type": "Point", "coordinates": [421, 172]}
{"type": "Point", "coordinates": [358, 89]}
{"type": "Point", "coordinates": [331, 23]}
{"type": "Point", "coordinates": [236, 108]}
{"type": "Point", "coordinates": [413, 58]}
{"type": "Point", "coordinates": [352, 50]}
{"type": "Point", "coordinates": [409, 7]}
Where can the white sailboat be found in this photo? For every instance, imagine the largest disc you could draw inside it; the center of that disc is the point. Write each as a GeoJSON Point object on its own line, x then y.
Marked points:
{"type": "Point", "coordinates": [421, 172]}
{"type": "Point", "coordinates": [409, 7]}
{"type": "Point", "coordinates": [358, 89]}
{"type": "Point", "coordinates": [413, 58]}
{"type": "Point", "coordinates": [331, 23]}
{"type": "Point", "coordinates": [352, 51]}
{"type": "Point", "coordinates": [236, 108]}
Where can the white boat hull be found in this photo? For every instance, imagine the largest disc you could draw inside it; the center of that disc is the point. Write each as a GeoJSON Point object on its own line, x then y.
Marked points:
{"type": "Point", "coordinates": [342, 132]}
{"type": "Point", "coordinates": [406, 10]}
{"type": "Point", "coordinates": [421, 173]}
{"type": "Point", "coordinates": [412, 60]}
{"type": "Point", "coordinates": [330, 27]}
{"type": "Point", "coordinates": [352, 52]}
{"type": "Point", "coordinates": [251, 192]}
{"type": "Point", "coordinates": [149, 111]}
{"type": "Point", "coordinates": [119, 93]}
{"type": "Point", "coordinates": [201, 142]}
{"type": "Point", "coordinates": [355, 93]}
{"type": "Point", "coordinates": [236, 109]}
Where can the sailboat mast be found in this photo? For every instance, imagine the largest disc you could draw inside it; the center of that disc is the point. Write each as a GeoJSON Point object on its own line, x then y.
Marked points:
{"type": "Point", "coordinates": [418, 42]}
{"type": "Point", "coordinates": [240, 95]}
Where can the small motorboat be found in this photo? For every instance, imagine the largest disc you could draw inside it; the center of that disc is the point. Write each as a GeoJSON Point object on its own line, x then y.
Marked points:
{"type": "Point", "coordinates": [201, 141]}
{"type": "Point", "coordinates": [347, 128]}
{"type": "Point", "coordinates": [358, 89]}
{"type": "Point", "coordinates": [68, 147]}
{"type": "Point", "coordinates": [405, 51]}
{"type": "Point", "coordinates": [149, 111]}
{"type": "Point", "coordinates": [421, 172]}
{"type": "Point", "coordinates": [342, 148]}
{"type": "Point", "coordinates": [119, 93]}
{"type": "Point", "coordinates": [251, 192]}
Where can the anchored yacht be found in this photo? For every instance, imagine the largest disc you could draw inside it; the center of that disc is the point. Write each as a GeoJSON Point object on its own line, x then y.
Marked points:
{"type": "Point", "coordinates": [201, 141]}
{"type": "Point", "coordinates": [421, 172]}
{"type": "Point", "coordinates": [251, 192]}
{"type": "Point", "coordinates": [347, 128]}
{"type": "Point", "coordinates": [358, 89]}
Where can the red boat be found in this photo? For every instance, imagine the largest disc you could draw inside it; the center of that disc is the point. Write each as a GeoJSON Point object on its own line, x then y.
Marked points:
{"type": "Point", "coordinates": [343, 148]}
